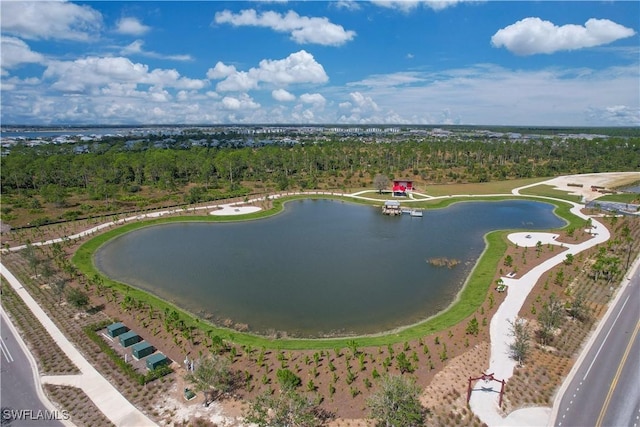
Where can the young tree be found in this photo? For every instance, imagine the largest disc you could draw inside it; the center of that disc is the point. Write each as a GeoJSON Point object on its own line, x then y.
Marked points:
{"type": "Point", "coordinates": [549, 318]}
{"type": "Point", "coordinates": [519, 348]}
{"type": "Point", "coordinates": [287, 379]}
{"type": "Point", "coordinates": [396, 404]}
{"type": "Point", "coordinates": [211, 374]}
{"type": "Point", "coordinates": [287, 409]}
{"type": "Point", "coordinates": [77, 298]}
{"type": "Point", "coordinates": [568, 259]}
{"type": "Point", "coordinates": [29, 252]}
{"type": "Point", "coordinates": [579, 308]}
{"type": "Point", "coordinates": [380, 182]}
{"type": "Point", "coordinates": [508, 261]}
{"type": "Point", "coordinates": [404, 364]}
{"type": "Point", "coordinates": [58, 287]}
{"type": "Point", "coordinates": [472, 327]}
{"type": "Point", "coordinates": [628, 239]}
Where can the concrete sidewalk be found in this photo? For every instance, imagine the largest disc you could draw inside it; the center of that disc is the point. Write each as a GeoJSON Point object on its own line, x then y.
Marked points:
{"type": "Point", "coordinates": [104, 395]}
{"type": "Point", "coordinates": [485, 397]}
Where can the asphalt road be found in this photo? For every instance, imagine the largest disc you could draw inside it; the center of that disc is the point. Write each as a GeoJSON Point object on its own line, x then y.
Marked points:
{"type": "Point", "coordinates": [605, 390]}
{"type": "Point", "coordinates": [21, 404]}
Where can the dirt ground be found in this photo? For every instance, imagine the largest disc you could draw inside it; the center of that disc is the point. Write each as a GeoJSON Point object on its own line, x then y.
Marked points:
{"type": "Point", "coordinates": [607, 180]}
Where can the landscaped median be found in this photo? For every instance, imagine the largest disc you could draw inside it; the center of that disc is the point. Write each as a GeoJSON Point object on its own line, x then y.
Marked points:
{"type": "Point", "coordinates": [469, 299]}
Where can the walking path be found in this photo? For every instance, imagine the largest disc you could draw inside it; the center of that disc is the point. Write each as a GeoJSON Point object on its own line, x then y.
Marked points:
{"type": "Point", "coordinates": [485, 397]}
{"type": "Point", "coordinates": [104, 395]}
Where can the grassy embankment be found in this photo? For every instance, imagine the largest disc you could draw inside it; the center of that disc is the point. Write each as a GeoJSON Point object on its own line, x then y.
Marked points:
{"type": "Point", "coordinates": [470, 298]}
{"type": "Point", "coordinates": [494, 187]}
{"type": "Point", "coordinates": [621, 198]}
{"type": "Point", "coordinates": [543, 190]}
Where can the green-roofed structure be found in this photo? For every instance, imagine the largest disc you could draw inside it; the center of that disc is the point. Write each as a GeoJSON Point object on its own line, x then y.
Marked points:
{"type": "Point", "coordinates": [116, 329]}
{"type": "Point", "coordinates": [129, 338]}
{"type": "Point", "coordinates": [142, 349]}
{"type": "Point", "coordinates": [156, 360]}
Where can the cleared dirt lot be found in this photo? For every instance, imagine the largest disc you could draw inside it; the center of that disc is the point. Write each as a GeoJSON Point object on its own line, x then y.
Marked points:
{"type": "Point", "coordinates": [608, 180]}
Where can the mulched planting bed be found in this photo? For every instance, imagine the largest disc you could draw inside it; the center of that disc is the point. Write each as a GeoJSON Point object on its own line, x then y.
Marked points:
{"type": "Point", "coordinates": [50, 358]}
{"type": "Point", "coordinates": [80, 408]}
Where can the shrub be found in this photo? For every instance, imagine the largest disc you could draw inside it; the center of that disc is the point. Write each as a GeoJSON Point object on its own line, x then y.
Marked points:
{"type": "Point", "coordinates": [472, 327]}
{"type": "Point", "coordinates": [77, 298]}
{"type": "Point", "coordinates": [287, 379]}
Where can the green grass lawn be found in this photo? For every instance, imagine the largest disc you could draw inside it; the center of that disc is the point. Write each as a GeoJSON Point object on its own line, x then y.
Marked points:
{"type": "Point", "coordinates": [493, 187]}
{"type": "Point", "coordinates": [550, 191]}
{"type": "Point", "coordinates": [621, 198]}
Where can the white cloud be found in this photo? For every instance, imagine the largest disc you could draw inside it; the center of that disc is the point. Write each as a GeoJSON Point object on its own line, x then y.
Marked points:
{"type": "Point", "coordinates": [87, 74]}
{"type": "Point", "coordinates": [363, 103]}
{"type": "Point", "coordinates": [393, 79]}
{"type": "Point", "coordinates": [409, 5]}
{"type": "Point", "coordinates": [242, 102]}
{"type": "Point", "coordinates": [616, 115]}
{"type": "Point", "coordinates": [14, 52]}
{"type": "Point", "coordinates": [363, 109]}
{"type": "Point", "coordinates": [347, 4]}
{"type": "Point", "coordinates": [299, 67]}
{"type": "Point", "coordinates": [532, 35]}
{"type": "Point", "coordinates": [131, 26]}
{"type": "Point", "coordinates": [283, 95]}
{"type": "Point", "coordinates": [316, 99]}
{"type": "Point", "coordinates": [50, 20]}
{"type": "Point", "coordinates": [443, 4]}
{"type": "Point", "coordinates": [303, 29]}
{"type": "Point", "coordinates": [136, 48]}
{"type": "Point", "coordinates": [488, 94]}
{"type": "Point", "coordinates": [239, 81]}
{"type": "Point", "coordinates": [158, 94]}
{"type": "Point", "coordinates": [220, 71]}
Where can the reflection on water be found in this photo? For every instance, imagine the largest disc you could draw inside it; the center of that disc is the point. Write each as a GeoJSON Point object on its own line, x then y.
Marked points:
{"type": "Point", "coordinates": [321, 267]}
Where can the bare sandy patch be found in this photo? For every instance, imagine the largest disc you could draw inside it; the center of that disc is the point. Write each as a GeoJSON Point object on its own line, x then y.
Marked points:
{"type": "Point", "coordinates": [235, 210]}
{"type": "Point", "coordinates": [606, 180]}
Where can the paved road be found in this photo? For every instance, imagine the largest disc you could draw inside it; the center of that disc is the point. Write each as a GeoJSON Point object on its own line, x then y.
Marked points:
{"type": "Point", "coordinates": [21, 404]}
{"type": "Point", "coordinates": [605, 390]}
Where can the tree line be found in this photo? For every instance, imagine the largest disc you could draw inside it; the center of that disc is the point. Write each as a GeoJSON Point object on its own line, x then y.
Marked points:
{"type": "Point", "coordinates": [54, 172]}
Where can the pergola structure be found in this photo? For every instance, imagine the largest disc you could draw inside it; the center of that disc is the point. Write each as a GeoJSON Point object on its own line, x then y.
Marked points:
{"type": "Point", "coordinates": [486, 378]}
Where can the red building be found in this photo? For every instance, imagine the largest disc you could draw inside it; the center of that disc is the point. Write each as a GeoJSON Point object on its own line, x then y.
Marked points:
{"type": "Point", "coordinates": [401, 186]}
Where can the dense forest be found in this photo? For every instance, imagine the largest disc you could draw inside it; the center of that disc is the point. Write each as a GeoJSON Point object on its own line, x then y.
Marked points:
{"type": "Point", "coordinates": [50, 182]}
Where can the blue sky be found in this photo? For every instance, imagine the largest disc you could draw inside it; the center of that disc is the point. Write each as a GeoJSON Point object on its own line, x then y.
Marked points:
{"type": "Point", "coordinates": [541, 63]}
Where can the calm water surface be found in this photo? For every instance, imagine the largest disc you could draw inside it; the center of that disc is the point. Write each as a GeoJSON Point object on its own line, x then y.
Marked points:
{"type": "Point", "coordinates": [321, 267]}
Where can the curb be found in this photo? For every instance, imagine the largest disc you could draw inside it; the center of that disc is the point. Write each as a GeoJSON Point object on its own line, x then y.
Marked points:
{"type": "Point", "coordinates": [592, 337]}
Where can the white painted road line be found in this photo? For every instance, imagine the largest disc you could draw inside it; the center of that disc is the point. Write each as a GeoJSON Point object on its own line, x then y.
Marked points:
{"type": "Point", "coordinates": [605, 338]}
{"type": "Point", "coordinates": [5, 351]}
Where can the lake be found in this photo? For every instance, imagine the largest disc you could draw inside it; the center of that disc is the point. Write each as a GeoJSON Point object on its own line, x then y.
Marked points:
{"type": "Point", "coordinates": [319, 268]}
